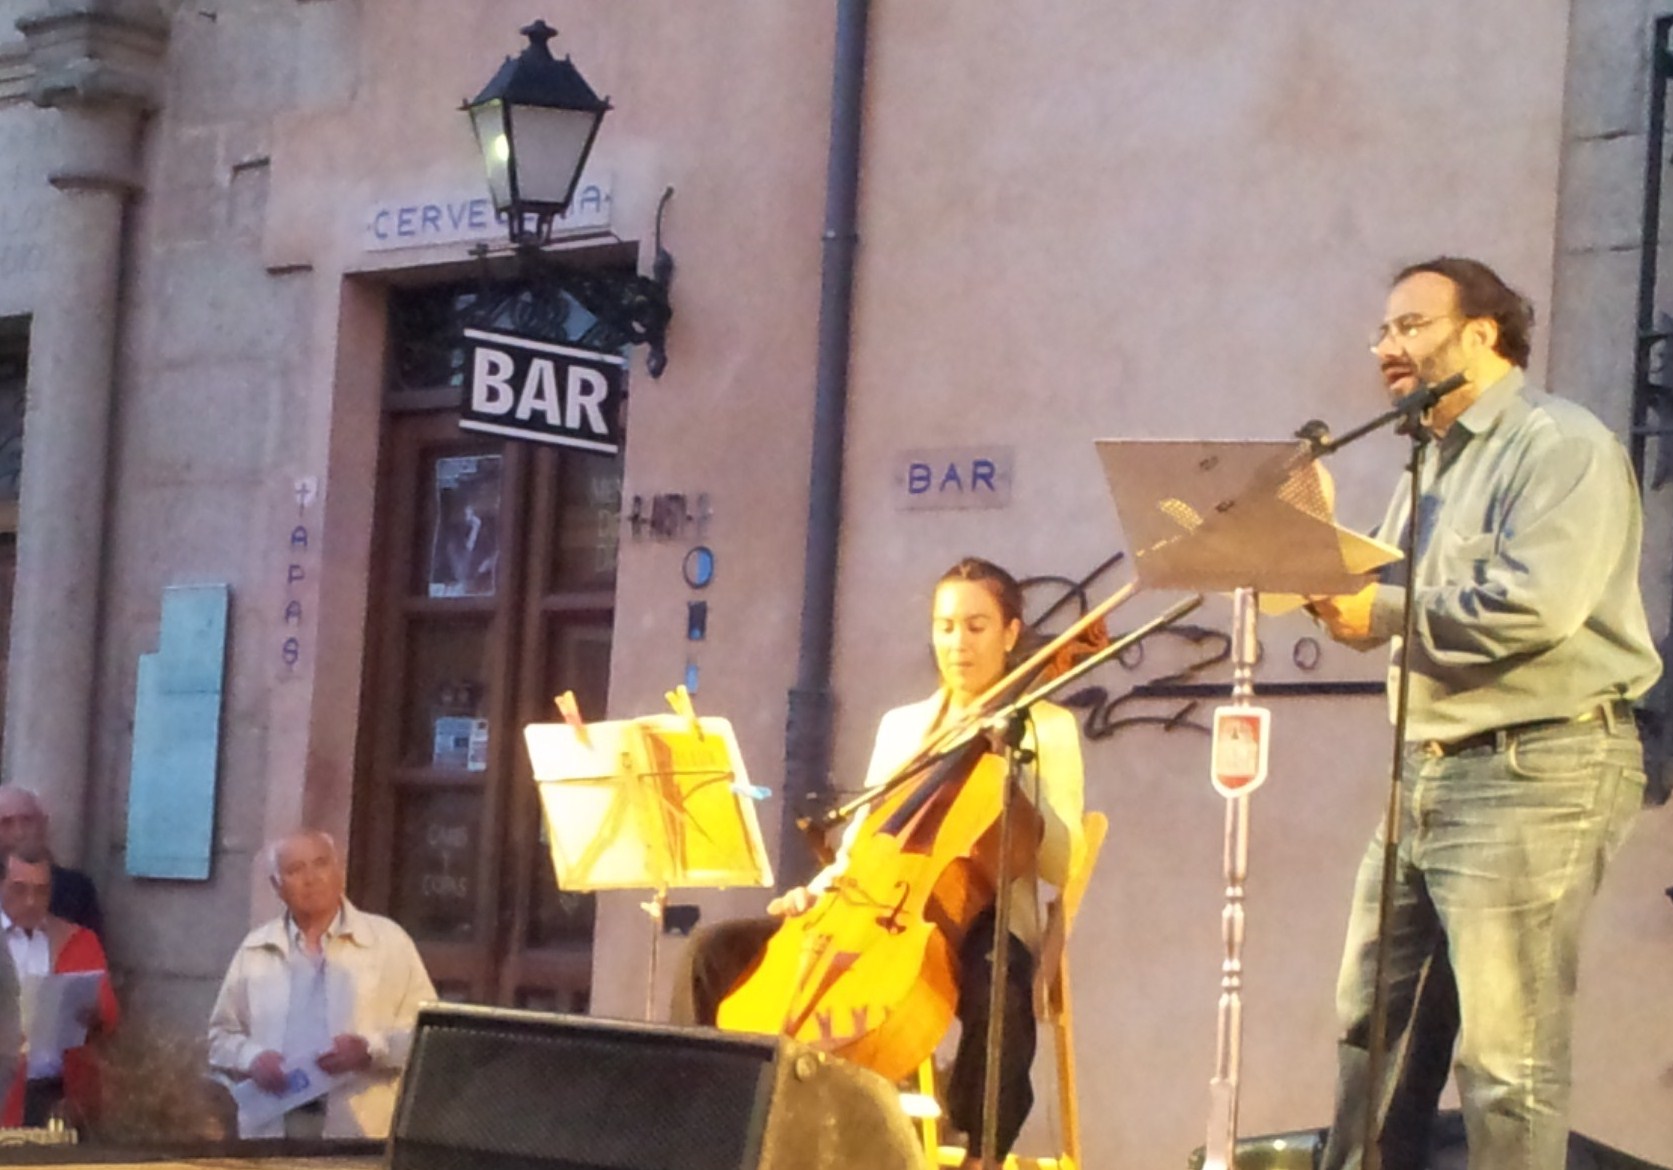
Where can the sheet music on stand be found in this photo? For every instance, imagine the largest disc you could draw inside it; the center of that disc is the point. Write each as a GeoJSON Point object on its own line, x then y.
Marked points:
{"type": "Point", "coordinates": [657, 803]}
{"type": "Point", "coordinates": [1255, 519]}
{"type": "Point", "coordinates": [652, 803]}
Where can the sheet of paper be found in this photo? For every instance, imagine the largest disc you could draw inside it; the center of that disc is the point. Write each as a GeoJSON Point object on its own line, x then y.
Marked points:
{"type": "Point", "coordinates": [258, 1108]}
{"type": "Point", "coordinates": [1361, 554]}
{"type": "Point", "coordinates": [661, 801]}
{"type": "Point", "coordinates": [54, 1008]}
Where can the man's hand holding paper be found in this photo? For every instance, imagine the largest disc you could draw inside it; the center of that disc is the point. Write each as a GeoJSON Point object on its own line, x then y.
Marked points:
{"type": "Point", "coordinates": [274, 1088]}
{"type": "Point", "coordinates": [1347, 616]}
{"type": "Point", "coordinates": [348, 1053]}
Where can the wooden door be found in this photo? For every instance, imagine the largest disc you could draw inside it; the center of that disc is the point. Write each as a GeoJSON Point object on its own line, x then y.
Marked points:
{"type": "Point", "coordinates": [493, 590]}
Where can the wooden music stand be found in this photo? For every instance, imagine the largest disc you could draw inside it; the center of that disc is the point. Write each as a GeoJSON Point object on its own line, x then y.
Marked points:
{"type": "Point", "coordinates": [1252, 518]}
{"type": "Point", "coordinates": [661, 802]}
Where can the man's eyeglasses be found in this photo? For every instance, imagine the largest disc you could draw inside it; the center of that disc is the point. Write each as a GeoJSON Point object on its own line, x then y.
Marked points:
{"type": "Point", "coordinates": [1405, 328]}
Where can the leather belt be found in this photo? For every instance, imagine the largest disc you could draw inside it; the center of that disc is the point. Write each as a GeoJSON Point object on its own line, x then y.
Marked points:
{"type": "Point", "coordinates": [1610, 713]}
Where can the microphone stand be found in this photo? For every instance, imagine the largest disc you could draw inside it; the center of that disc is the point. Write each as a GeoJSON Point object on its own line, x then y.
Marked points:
{"type": "Point", "coordinates": [1009, 726]}
{"type": "Point", "coordinates": [999, 957]}
{"type": "Point", "coordinates": [1408, 412]}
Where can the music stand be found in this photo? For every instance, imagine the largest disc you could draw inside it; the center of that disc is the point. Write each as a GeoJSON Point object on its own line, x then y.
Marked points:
{"type": "Point", "coordinates": [661, 802]}
{"type": "Point", "coordinates": [1251, 518]}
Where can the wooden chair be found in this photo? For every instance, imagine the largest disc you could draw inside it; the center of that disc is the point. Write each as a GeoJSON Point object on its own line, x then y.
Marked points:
{"type": "Point", "coordinates": [1060, 919]}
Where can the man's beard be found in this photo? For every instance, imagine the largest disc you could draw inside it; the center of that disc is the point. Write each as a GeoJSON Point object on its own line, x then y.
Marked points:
{"type": "Point", "coordinates": [1431, 369]}
{"type": "Point", "coordinates": [1442, 364]}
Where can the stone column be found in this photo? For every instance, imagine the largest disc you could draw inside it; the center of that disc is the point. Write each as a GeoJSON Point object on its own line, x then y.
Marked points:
{"type": "Point", "coordinates": [97, 70]}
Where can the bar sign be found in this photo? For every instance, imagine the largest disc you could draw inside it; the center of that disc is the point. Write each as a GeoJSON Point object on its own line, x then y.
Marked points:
{"type": "Point", "coordinates": [526, 389]}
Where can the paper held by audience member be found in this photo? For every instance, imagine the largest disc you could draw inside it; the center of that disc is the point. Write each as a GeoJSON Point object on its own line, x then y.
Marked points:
{"type": "Point", "coordinates": [56, 1010]}
{"type": "Point", "coordinates": [258, 1108]}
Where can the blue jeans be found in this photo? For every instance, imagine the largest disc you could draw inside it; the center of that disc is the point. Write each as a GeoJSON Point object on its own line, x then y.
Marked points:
{"type": "Point", "coordinates": [1502, 847]}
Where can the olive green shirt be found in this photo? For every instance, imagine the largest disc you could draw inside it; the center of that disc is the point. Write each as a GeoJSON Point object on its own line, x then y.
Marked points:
{"type": "Point", "coordinates": [1528, 606]}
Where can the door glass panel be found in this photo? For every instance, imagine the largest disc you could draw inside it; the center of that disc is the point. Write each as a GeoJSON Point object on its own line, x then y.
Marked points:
{"type": "Point", "coordinates": [426, 326]}
{"type": "Point", "coordinates": [578, 659]}
{"type": "Point", "coordinates": [425, 347]}
{"type": "Point", "coordinates": [589, 508]}
{"type": "Point", "coordinates": [436, 863]}
{"type": "Point", "coordinates": [445, 724]}
{"type": "Point", "coordinates": [556, 916]}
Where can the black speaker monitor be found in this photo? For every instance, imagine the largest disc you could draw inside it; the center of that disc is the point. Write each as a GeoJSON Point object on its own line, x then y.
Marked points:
{"type": "Point", "coordinates": [490, 1089]}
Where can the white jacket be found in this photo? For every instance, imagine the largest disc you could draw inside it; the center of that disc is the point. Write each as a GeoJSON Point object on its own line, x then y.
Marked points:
{"type": "Point", "coordinates": [375, 982]}
{"type": "Point", "coordinates": [1057, 775]}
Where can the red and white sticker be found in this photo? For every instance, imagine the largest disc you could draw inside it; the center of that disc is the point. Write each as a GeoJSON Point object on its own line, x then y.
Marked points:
{"type": "Point", "coordinates": [1238, 762]}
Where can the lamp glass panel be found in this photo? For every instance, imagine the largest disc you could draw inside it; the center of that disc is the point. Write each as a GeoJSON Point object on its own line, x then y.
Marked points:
{"type": "Point", "coordinates": [550, 147]}
{"type": "Point", "coordinates": [488, 121]}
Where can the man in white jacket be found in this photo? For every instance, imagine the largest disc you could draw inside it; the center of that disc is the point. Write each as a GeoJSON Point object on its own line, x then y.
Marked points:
{"type": "Point", "coordinates": [317, 1009]}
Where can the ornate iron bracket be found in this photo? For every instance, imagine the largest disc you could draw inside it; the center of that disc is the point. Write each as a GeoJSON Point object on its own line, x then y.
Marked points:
{"type": "Point", "coordinates": [625, 308]}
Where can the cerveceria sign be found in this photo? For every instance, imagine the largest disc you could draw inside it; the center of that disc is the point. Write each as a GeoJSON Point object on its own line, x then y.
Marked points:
{"type": "Point", "coordinates": [527, 389]}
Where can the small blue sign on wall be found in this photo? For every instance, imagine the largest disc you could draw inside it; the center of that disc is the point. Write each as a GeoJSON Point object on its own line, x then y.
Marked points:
{"type": "Point", "coordinates": [177, 737]}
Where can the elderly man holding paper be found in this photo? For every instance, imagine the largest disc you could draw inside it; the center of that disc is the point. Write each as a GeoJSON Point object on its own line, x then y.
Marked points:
{"type": "Point", "coordinates": [66, 996]}
{"type": "Point", "coordinates": [315, 1016]}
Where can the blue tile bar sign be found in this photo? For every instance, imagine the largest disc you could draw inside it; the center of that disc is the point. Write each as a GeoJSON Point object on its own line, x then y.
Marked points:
{"type": "Point", "coordinates": [937, 478]}
{"type": "Point", "coordinates": [526, 389]}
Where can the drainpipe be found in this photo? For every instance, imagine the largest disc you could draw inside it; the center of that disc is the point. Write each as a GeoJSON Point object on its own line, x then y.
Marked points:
{"type": "Point", "coordinates": [807, 741]}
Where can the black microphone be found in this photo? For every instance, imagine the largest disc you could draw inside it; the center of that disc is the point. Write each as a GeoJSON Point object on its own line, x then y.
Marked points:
{"type": "Point", "coordinates": [1315, 432]}
{"type": "Point", "coordinates": [1421, 400]}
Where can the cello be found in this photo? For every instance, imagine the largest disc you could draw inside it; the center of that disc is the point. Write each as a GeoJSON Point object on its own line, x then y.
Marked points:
{"type": "Point", "coordinates": [870, 970]}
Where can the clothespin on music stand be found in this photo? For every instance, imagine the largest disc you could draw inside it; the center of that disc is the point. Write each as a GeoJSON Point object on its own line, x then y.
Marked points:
{"type": "Point", "coordinates": [680, 700]}
{"type": "Point", "coordinates": [571, 712]}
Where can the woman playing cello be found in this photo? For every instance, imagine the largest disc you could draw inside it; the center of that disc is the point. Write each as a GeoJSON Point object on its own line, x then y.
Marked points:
{"type": "Point", "coordinates": [976, 621]}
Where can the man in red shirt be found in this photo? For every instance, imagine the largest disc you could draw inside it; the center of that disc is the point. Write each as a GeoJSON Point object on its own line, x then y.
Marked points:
{"type": "Point", "coordinates": [41, 945]}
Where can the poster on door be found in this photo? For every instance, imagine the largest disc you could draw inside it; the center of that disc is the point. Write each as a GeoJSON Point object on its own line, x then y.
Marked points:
{"type": "Point", "coordinates": [465, 545]}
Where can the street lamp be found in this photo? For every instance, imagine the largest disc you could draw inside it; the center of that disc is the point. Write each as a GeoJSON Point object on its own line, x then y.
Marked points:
{"type": "Point", "coordinates": [535, 123]}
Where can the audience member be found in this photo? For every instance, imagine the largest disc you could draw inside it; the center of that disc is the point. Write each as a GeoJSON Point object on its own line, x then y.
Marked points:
{"type": "Point", "coordinates": [41, 944]}
{"type": "Point", "coordinates": [323, 996]}
{"type": "Point", "coordinates": [23, 822]}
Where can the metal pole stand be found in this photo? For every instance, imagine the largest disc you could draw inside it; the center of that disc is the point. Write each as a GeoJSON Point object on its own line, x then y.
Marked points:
{"type": "Point", "coordinates": [999, 958]}
{"type": "Point", "coordinates": [1239, 767]}
{"type": "Point", "coordinates": [654, 908]}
